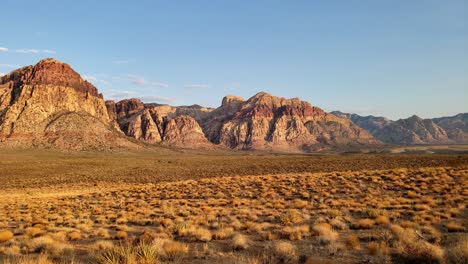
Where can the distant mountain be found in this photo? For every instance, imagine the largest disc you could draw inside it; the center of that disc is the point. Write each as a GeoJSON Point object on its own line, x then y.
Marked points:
{"type": "Point", "coordinates": [455, 126]}
{"type": "Point", "coordinates": [369, 123]}
{"type": "Point", "coordinates": [414, 130]}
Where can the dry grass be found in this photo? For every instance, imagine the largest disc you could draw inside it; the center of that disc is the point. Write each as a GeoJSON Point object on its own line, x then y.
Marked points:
{"type": "Point", "coordinates": [416, 212]}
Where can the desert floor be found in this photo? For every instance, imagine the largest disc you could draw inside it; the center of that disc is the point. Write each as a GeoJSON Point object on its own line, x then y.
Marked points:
{"type": "Point", "coordinates": [194, 207]}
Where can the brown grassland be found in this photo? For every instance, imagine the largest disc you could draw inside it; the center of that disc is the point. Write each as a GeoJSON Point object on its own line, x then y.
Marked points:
{"type": "Point", "coordinates": [193, 207]}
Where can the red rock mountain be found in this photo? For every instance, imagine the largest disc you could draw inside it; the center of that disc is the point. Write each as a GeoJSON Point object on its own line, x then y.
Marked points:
{"type": "Point", "coordinates": [264, 122]}
{"type": "Point", "coordinates": [50, 105]}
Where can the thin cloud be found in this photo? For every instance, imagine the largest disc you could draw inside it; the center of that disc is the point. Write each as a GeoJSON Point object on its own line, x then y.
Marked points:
{"type": "Point", "coordinates": [197, 86]}
{"type": "Point", "coordinates": [137, 80]}
{"type": "Point", "coordinates": [155, 99]}
{"type": "Point", "coordinates": [35, 51]}
{"type": "Point", "coordinates": [121, 95]}
{"type": "Point", "coordinates": [142, 82]}
{"type": "Point", "coordinates": [2, 49]}
{"type": "Point", "coordinates": [2, 73]}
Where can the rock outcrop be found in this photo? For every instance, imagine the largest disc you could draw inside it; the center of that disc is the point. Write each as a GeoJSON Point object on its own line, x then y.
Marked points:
{"type": "Point", "coordinates": [153, 123]}
{"type": "Point", "coordinates": [266, 122]}
{"type": "Point", "coordinates": [41, 105]}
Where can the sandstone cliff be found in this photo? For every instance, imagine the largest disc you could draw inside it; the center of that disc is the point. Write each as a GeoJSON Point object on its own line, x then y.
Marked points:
{"type": "Point", "coordinates": [44, 104]}
{"type": "Point", "coordinates": [268, 122]}
{"type": "Point", "coordinates": [153, 123]}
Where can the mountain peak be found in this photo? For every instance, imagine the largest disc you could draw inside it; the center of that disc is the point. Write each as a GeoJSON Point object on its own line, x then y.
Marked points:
{"type": "Point", "coordinates": [228, 99]}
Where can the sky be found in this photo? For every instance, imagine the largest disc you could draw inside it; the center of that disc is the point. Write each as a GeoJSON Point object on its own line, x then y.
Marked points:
{"type": "Point", "coordinates": [392, 58]}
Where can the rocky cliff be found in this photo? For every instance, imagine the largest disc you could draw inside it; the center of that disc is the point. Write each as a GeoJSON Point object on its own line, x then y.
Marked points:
{"type": "Point", "coordinates": [50, 105]}
{"type": "Point", "coordinates": [153, 123]}
{"type": "Point", "coordinates": [269, 122]}
{"type": "Point", "coordinates": [264, 122]}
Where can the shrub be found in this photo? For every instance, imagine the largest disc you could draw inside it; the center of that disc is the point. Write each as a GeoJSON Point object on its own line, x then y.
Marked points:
{"type": "Point", "coordinates": [223, 233]}
{"type": "Point", "coordinates": [458, 252]}
{"type": "Point", "coordinates": [5, 236]}
{"type": "Point", "coordinates": [240, 241]}
{"type": "Point", "coordinates": [325, 232]}
{"type": "Point", "coordinates": [285, 251]}
{"type": "Point", "coordinates": [418, 251]}
{"type": "Point", "coordinates": [377, 248]}
{"type": "Point", "coordinates": [454, 227]}
{"type": "Point", "coordinates": [382, 220]}
{"type": "Point", "coordinates": [74, 236]}
{"type": "Point", "coordinates": [120, 235]}
{"type": "Point", "coordinates": [352, 242]}
{"type": "Point", "coordinates": [174, 249]}
{"type": "Point", "coordinates": [202, 234]}
{"type": "Point", "coordinates": [365, 223]}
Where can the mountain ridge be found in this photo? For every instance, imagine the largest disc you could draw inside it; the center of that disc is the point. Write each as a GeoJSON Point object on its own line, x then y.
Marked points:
{"type": "Point", "coordinates": [50, 105]}
{"type": "Point", "coordinates": [414, 130]}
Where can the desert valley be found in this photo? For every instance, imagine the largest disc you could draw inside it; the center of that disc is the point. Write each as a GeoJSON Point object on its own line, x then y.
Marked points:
{"type": "Point", "coordinates": [259, 180]}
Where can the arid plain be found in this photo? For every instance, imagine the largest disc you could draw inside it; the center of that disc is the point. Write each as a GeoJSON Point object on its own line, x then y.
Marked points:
{"type": "Point", "coordinates": [169, 206]}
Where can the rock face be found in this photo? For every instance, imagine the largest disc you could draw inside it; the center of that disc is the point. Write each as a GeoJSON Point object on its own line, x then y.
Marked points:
{"type": "Point", "coordinates": [268, 122]}
{"type": "Point", "coordinates": [264, 122]}
{"type": "Point", "coordinates": [455, 126]}
{"type": "Point", "coordinates": [152, 123]}
{"type": "Point", "coordinates": [41, 105]}
{"type": "Point", "coordinates": [414, 130]}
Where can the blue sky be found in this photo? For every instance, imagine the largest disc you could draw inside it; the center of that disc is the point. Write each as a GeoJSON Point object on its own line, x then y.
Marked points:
{"type": "Point", "coordinates": [391, 58]}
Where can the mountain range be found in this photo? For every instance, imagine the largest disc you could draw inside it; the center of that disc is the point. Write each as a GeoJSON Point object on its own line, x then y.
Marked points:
{"type": "Point", "coordinates": [50, 105]}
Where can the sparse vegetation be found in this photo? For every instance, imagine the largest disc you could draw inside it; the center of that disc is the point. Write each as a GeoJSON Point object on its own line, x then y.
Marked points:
{"type": "Point", "coordinates": [266, 217]}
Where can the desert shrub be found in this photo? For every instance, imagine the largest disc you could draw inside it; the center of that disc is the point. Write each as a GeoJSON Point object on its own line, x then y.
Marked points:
{"type": "Point", "coordinates": [325, 232]}
{"type": "Point", "coordinates": [103, 245]}
{"type": "Point", "coordinates": [377, 248]}
{"type": "Point", "coordinates": [202, 234]}
{"type": "Point", "coordinates": [223, 233]}
{"type": "Point", "coordinates": [458, 252]}
{"type": "Point", "coordinates": [365, 223]}
{"type": "Point", "coordinates": [34, 232]}
{"type": "Point", "coordinates": [120, 235]}
{"type": "Point", "coordinates": [174, 249]}
{"type": "Point", "coordinates": [74, 235]}
{"type": "Point", "coordinates": [5, 236]}
{"type": "Point", "coordinates": [284, 251]}
{"type": "Point", "coordinates": [117, 255]}
{"type": "Point", "coordinates": [291, 217]}
{"type": "Point", "coordinates": [382, 220]}
{"type": "Point", "coordinates": [240, 241]}
{"type": "Point", "coordinates": [454, 227]}
{"type": "Point", "coordinates": [418, 251]}
{"type": "Point", "coordinates": [352, 242]}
